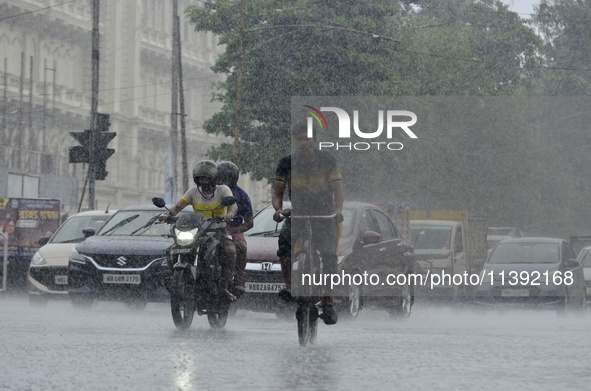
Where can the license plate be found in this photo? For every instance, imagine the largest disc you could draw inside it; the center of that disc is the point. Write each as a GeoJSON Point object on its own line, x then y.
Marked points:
{"type": "Point", "coordinates": [122, 278]}
{"type": "Point", "coordinates": [181, 250]}
{"type": "Point", "coordinates": [264, 287]}
{"type": "Point", "coordinates": [61, 280]}
{"type": "Point", "coordinates": [515, 293]}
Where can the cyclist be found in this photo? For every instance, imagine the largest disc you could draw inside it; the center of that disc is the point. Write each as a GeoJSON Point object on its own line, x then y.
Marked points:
{"type": "Point", "coordinates": [206, 196]}
{"type": "Point", "coordinates": [314, 188]}
{"type": "Point", "coordinates": [228, 174]}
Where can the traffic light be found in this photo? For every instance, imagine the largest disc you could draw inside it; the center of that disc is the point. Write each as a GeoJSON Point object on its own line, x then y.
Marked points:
{"type": "Point", "coordinates": [102, 153]}
{"type": "Point", "coordinates": [79, 153]}
{"type": "Point", "coordinates": [98, 146]}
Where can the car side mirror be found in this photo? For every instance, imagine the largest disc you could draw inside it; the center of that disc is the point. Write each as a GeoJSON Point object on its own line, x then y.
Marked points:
{"type": "Point", "coordinates": [90, 231]}
{"type": "Point", "coordinates": [371, 237]}
{"type": "Point", "coordinates": [43, 241]}
{"type": "Point", "coordinates": [478, 264]}
{"type": "Point", "coordinates": [572, 263]}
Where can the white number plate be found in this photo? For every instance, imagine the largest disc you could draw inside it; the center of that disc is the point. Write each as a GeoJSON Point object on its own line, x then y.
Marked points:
{"type": "Point", "coordinates": [515, 293]}
{"type": "Point", "coordinates": [181, 250]}
{"type": "Point", "coordinates": [61, 280]}
{"type": "Point", "coordinates": [263, 287]}
{"type": "Point", "coordinates": [122, 278]}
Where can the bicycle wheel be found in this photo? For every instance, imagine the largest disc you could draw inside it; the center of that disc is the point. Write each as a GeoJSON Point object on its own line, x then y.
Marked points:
{"type": "Point", "coordinates": [303, 318]}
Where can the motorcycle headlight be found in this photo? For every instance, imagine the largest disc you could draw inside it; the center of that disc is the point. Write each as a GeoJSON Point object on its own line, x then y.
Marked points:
{"type": "Point", "coordinates": [185, 238]}
{"type": "Point", "coordinates": [38, 260]}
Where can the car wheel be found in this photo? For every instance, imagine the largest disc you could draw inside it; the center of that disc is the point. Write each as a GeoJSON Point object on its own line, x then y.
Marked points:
{"type": "Point", "coordinates": [37, 301]}
{"type": "Point", "coordinates": [403, 308]}
{"type": "Point", "coordinates": [354, 301]}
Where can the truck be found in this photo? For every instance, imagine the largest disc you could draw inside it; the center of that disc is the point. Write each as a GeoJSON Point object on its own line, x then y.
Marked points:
{"type": "Point", "coordinates": [448, 245]}
{"type": "Point", "coordinates": [23, 221]}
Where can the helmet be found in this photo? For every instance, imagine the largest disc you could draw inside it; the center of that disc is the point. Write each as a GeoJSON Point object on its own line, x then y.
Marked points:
{"type": "Point", "coordinates": [205, 168]}
{"type": "Point", "coordinates": [228, 174]}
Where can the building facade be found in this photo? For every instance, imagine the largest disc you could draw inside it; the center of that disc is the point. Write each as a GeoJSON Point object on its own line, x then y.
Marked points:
{"type": "Point", "coordinates": [46, 93]}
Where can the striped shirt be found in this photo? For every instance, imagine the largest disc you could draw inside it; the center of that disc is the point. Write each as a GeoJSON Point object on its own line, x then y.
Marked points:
{"type": "Point", "coordinates": [206, 206]}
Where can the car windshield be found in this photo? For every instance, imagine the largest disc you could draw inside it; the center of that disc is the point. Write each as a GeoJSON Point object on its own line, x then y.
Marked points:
{"type": "Point", "coordinates": [585, 258]}
{"type": "Point", "coordinates": [264, 223]}
{"type": "Point", "coordinates": [430, 240]}
{"type": "Point", "coordinates": [71, 229]}
{"type": "Point", "coordinates": [492, 242]}
{"type": "Point", "coordinates": [135, 223]}
{"type": "Point", "coordinates": [524, 252]}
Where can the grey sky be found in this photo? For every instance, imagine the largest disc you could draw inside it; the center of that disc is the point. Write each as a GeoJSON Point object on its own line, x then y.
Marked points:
{"type": "Point", "coordinates": [523, 7]}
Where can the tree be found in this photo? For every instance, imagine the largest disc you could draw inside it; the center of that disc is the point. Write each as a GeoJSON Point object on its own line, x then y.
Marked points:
{"type": "Point", "coordinates": [285, 49]}
{"type": "Point", "coordinates": [564, 25]}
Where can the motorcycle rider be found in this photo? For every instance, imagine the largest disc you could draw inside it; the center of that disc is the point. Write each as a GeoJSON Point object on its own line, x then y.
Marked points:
{"type": "Point", "coordinates": [228, 174]}
{"type": "Point", "coordinates": [206, 197]}
{"type": "Point", "coordinates": [314, 177]}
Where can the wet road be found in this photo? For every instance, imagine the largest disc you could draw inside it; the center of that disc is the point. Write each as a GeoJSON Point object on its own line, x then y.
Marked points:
{"type": "Point", "coordinates": [110, 347]}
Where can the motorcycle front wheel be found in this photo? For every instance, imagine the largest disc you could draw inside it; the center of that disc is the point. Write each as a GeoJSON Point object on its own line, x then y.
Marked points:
{"type": "Point", "coordinates": [182, 298]}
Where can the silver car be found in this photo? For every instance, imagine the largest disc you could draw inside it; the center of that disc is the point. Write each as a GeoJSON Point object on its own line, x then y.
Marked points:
{"type": "Point", "coordinates": [532, 272]}
{"type": "Point", "coordinates": [47, 276]}
{"type": "Point", "coordinates": [584, 259]}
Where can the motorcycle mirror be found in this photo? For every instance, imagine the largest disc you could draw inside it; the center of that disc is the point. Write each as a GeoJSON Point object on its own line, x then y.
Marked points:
{"type": "Point", "coordinates": [227, 201]}
{"type": "Point", "coordinates": [159, 202]}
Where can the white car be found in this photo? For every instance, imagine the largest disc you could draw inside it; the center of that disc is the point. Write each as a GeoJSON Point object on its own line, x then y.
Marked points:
{"type": "Point", "coordinates": [584, 260]}
{"type": "Point", "coordinates": [48, 271]}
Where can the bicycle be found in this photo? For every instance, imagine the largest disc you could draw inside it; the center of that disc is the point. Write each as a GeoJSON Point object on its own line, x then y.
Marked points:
{"type": "Point", "coordinates": [308, 263]}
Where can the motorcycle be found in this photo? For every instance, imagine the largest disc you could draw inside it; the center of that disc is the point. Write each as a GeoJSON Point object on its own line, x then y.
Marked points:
{"type": "Point", "coordinates": [197, 252]}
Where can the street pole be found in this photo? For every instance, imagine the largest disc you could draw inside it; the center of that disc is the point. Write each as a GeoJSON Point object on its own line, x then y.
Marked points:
{"type": "Point", "coordinates": [174, 106]}
{"type": "Point", "coordinates": [184, 163]}
{"type": "Point", "coordinates": [94, 102]}
{"type": "Point", "coordinates": [44, 116]}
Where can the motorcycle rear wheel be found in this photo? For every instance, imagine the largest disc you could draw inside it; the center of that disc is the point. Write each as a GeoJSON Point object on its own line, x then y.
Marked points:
{"type": "Point", "coordinates": [217, 321]}
{"type": "Point", "coordinates": [182, 300]}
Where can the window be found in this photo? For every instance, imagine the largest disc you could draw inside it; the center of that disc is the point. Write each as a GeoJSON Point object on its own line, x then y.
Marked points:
{"type": "Point", "coordinates": [386, 228]}
{"type": "Point", "coordinates": [368, 223]}
{"type": "Point", "coordinates": [567, 251]}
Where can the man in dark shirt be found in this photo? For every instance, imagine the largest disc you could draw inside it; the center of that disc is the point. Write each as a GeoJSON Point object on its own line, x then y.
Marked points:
{"type": "Point", "coordinates": [228, 174]}
{"type": "Point", "coordinates": [314, 187]}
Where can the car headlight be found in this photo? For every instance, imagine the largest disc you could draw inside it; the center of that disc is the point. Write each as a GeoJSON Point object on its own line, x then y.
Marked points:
{"type": "Point", "coordinates": [76, 257]}
{"type": "Point", "coordinates": [38, 260]}
{"type": "Point", "coordinates": [185, 238]}
{"type": "Point", "coordinates": [485, 277]}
